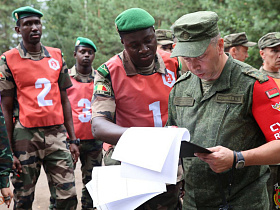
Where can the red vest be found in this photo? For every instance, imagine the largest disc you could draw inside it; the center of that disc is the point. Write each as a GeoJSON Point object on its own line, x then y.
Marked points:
{"type": "Point", "coordinates": [38, 92]}
{"type": "Point", "coordinates": [142, 100]}
{"type": "Point", "coordinates": [80, 95]}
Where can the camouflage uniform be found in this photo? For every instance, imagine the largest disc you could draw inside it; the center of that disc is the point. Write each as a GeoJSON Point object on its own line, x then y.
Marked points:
{"type": "Point", "coordinates": [90, 149]}
{"type": "Point", "coordinates": [213, 121]}
{"type": "Point", "coordinates": [40, 146]}
{"type": "Point", "coordinates": [6, 158]}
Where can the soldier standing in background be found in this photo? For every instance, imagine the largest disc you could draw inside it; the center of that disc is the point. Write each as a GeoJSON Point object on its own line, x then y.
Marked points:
{"type": "Point", "coordinates": [38, 136]}
{"type": "Point", "coordinates": [80, 94]}
{"type": "Point", "coordinates": [237, 45]}
{"type": "Point", "coordinates": [269, 46]}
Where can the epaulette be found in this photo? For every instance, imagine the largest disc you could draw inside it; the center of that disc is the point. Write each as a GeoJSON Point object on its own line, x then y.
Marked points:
{"type": "Point", "coordinates": [252, 72]}
{"type": "Point", "coordinates": [103, 70]}
{"type": "Point", "coordinates": [183, 77]}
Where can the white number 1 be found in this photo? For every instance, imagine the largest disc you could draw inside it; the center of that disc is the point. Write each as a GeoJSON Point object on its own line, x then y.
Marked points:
{"type": "Point", "coordinates": [41, 96]}
{"type": "Point", "coordinates": [155, 108]}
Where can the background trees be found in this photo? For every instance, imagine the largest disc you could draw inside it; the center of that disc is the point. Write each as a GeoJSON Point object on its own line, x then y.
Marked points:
{"type": "Point", "coordinates": [64, 21]}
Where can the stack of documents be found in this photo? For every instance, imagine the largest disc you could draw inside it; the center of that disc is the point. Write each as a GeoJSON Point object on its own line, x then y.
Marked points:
{"type": "Point", "coordinates": [149, 160]}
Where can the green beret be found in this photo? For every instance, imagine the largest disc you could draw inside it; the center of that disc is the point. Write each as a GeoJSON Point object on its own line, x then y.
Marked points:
{"type": "Point", "coordinates": [24, 12]}
{"type": "Point", "coordinates": [134, 19]}
{"type": "Point", "coordinates": [269, 40]}
{"type": "Point", "coordinates": [81, 41]}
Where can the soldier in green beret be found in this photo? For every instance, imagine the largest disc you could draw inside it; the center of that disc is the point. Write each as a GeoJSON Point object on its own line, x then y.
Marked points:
{"type": "Point", "coordinates": [237, 45]}
{"type": "Point", "coordinates": [80, 94]}
{"type": "Point", "coordinates": [33, 83]}
{"type": "Point", "coordinates": [230, 108]}
{"type": "Point", "coordinates": [132, 88]}
{"type": "Point", "coordinates": [269, 45]}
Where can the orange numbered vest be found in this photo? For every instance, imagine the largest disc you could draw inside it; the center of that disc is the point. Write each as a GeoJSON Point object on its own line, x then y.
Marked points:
{"type": "Point", "coordinates": [38, 91]}
{"type": "Point", "coordinates": [142, 100]}
{"type": "Point", "coordinates": [80, 96]}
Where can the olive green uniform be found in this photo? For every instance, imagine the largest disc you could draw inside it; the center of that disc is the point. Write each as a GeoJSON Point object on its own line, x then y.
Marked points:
{"type": "Point", "coordinates": [214, 118]}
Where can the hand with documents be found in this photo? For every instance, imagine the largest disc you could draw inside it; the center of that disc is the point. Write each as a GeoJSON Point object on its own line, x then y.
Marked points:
{"type": "Point", "coordinates": [149, 160]}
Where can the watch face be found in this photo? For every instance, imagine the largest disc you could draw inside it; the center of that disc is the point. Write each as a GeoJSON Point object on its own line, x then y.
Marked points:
{"type": "Point", "coordinates": [240, 164]}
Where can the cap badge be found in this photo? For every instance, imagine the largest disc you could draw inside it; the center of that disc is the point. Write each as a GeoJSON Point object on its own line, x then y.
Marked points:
{"type": "Point", "coordinates": [77, 42]}
{"type": "Point", "coordinates": [277, 35]}
{"type": "Point", "coordinates": [185, 35]}
{"type": "Point", "coordinates": [16, 15]}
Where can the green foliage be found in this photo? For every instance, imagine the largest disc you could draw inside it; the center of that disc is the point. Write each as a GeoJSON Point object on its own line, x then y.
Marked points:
{"type": "Point", "coordinates": [64, 21]}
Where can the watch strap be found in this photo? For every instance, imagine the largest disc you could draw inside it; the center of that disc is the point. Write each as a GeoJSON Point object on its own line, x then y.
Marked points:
{"type": "Point", "coordinates": [240, 159]}
{"type": "Point", "coordinates": [76, 141]}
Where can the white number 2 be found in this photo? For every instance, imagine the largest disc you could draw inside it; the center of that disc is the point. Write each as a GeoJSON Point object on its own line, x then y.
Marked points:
{"type": "Point", "coordinates": [85, 117]}
{"type": "Point", "coordinates": [41, 96]}
{"type": "Point", "coordinates": [155, 108]}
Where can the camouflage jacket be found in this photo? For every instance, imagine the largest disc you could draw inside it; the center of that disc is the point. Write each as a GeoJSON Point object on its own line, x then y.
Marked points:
{"type": "Point", "coordinates": [228, 122]}
{"type": "Point", "coordinates": [6, 158]}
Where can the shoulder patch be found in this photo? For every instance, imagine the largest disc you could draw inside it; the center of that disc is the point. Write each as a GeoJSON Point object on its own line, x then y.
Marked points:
{"type": "Point", "coordinates": [252, 72]}
{"type": "Point", "coordinates": [3, 57]}
{"type": "Point", "coordinates": [183, 77]}
{"type": "Point", "coordinates": [103, 70]}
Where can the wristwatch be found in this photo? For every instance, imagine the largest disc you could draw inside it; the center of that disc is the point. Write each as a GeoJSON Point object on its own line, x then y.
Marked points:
{"type": "Point", "coordinates": [240, 162]}
{"type": "Point", "coordinates": [77, 142]}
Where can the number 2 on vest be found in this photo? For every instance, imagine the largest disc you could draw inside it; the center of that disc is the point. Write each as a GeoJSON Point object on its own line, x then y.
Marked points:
{"type": "Point", "coordinates": [41, 96]}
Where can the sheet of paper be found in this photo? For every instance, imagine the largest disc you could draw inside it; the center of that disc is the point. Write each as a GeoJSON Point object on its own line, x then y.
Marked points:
{"type": "Point", "coordinates": [108, 186]}
{"type": "Point", "coordinates": [165, 143]}
{"type": "Point", "coordinates": [126, 204]}
{"type": "Point", "coordinates": [147, 147]}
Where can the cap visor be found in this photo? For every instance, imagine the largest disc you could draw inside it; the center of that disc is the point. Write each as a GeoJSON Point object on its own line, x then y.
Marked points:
{"type": "Point", "coordinates": [249, 44]}
{"type": "Point", "coordinates": [190, 49]}
{"type": "Point", "coordinates": [164, 42]}
{"type": "Point", "coordinates": [274, 45]}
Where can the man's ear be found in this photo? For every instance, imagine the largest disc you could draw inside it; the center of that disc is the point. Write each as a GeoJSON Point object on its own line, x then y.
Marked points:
{"type": "Point", "coordinates": [17, 29]}
{"type": "Point", "coordinates": [74, 54]}
{"type": "Point", "coordinates": [232, 51]}
{"type": "Point", "coordinates": [262, 54]}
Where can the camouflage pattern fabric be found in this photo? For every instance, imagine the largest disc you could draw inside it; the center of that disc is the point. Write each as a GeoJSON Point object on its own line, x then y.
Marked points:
{"type": "Point", "coordinates": [6, 158]}
{"type": "Point", "coordinates": [47, 147]}
{"type": "Point", "coordinates": [213, 122]}
{"type": "Point", "coordinates": [90, 156]}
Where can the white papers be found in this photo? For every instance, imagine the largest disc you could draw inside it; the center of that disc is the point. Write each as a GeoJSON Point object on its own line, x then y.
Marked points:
{"type": "Point", "coordinates": [150, 153]}
{"type": "Point", "coordinates": [110, 191]}
{"type": "Point", "coordinates": [149, 159]}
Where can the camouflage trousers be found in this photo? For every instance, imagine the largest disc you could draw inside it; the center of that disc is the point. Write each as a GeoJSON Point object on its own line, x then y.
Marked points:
{"type": "Point", "coordinates": [43, 146]}
{"type": "Point", "coordinates": [90, 156]}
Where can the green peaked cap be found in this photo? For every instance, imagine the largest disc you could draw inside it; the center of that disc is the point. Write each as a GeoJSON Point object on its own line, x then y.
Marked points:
{"type": "Point", "coordinates": [81, 41]}
{"type": "Point", "coordinates": [134, 19]}
{"type": "Point", "coordinates": [24, 12]}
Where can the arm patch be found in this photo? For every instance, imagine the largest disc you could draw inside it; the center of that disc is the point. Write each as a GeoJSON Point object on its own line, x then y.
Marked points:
{"type": "Point", "coordinates": [103, 70]}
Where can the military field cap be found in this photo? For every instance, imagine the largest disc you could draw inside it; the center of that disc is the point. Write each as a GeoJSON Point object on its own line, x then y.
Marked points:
{"type": "Point", "coordinates": [164, 36]}
{"type": "Point", "coordinates": [81, 41]}
{"type": "Point", "coordinates": [269, 40]}
{"type": "Point", "coordinates": [194, 32]}
{"type": "Point", "coordinates": [24, 12]}
{"type": "Point", "coordinates": [134, 19]}
{"type": "Point", "coordinates": [237, 39]}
